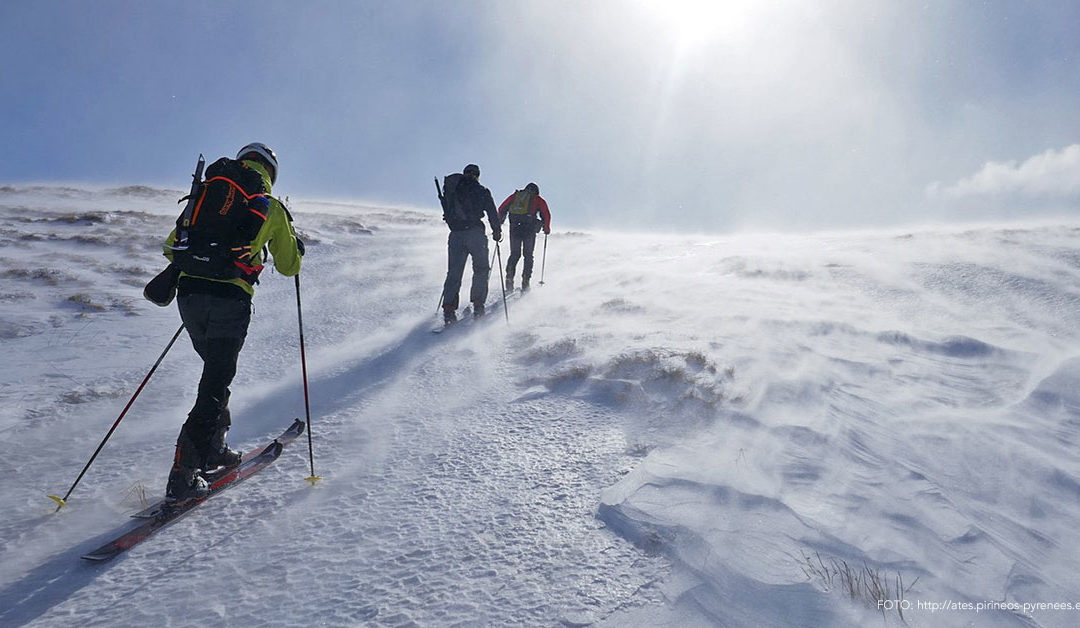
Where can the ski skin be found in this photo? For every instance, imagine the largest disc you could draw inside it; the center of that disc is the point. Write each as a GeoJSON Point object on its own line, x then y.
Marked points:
{"type": "Point", "coordinates": [221, 480]}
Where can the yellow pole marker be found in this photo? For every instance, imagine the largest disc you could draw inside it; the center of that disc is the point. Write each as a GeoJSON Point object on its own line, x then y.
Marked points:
{"type": "Point", "coordinates": [60, 503]}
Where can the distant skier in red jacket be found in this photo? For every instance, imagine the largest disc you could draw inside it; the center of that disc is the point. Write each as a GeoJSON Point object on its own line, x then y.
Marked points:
{"type": "Point", "coordinates": [528, 214]}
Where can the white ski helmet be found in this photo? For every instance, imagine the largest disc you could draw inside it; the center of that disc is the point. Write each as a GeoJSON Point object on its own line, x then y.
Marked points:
{"type": "Point", "coordinates": [264, 152]}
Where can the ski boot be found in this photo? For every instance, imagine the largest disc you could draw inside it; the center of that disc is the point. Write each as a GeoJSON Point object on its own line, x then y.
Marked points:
{"type": "Point", "coordinates": [223, 457]}
{"type": "Point", "coordinates": [184, 480]}
{"type": "Point", "coordinates": [525, 284]}
{"type": "Point", "coordinates": [220, 454]}
{"type": "Point", "coordinates": [184, 484]}
{"type": "Point", "coordinates": [478, 310]}
{"type": "Point", "coordinates": [509, 284]}
{"type": "Point", "coordinates": [449, 316]}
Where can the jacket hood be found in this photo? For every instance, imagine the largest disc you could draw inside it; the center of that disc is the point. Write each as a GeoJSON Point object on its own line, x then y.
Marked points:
{"type": "Point", "coordinates": [261, 169]}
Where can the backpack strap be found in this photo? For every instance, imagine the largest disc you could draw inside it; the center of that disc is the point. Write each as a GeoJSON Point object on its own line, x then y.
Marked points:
{"type": "Point", "coordinates": [238, 187]}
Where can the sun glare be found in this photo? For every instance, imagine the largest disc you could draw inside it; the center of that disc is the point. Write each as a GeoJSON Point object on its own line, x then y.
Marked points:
{"type": "Point", "coordinates": [695, 22]}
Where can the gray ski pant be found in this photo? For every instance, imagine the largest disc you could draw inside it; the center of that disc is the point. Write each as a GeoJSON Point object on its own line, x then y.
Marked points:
{"type": "Point", "coordinates": [460, 245]}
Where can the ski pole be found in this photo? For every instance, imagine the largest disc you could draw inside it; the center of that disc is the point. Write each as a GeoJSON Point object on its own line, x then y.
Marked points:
{"type": "Point", "coordinates": [303, 367]}
{"type": "Point", "coordinates": [442, 201]}
{"type": "Point", "coordinates": [62, 501]}
{"type": "Point", "coordinates": [543, 260]}
{"type": "Point", "coordinates": [502, 283]}
{"type": "Point", "coordinates": [491, 264]}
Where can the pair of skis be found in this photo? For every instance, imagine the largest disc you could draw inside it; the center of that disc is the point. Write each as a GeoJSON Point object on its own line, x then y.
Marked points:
{"type": "Point", "coordinates": [162, 513]}
{"type": "Point", "coordinates": [466, 316]}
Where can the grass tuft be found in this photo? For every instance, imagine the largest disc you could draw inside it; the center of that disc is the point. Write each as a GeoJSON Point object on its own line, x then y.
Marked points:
{"type": "Point", "coordinates": [870, 586]}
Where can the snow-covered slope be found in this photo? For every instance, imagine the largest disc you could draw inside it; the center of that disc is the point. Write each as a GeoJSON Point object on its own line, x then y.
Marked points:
{"type": "Point", "coordinates": [673, 430]}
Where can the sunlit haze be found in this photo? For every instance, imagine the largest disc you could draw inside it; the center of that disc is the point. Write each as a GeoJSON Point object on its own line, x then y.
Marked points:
{"type": "Point", "coordinates": [637, 114]}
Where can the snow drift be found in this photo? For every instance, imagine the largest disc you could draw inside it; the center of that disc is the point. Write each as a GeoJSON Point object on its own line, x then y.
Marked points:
{"type": "Point", "coordinates": [826, 429]}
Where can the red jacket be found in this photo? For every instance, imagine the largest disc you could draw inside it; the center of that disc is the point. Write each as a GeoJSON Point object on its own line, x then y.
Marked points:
{"type": "Point", "coordinates": [538, 204]}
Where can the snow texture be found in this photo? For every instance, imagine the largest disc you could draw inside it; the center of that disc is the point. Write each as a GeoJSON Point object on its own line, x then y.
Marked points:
{"type": "Point", "coordinates": [750, 430]}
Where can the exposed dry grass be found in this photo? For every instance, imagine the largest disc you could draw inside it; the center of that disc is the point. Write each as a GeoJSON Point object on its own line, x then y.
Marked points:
{"type": "Point", "coordinates": [870, 586]}
{"type": "Point", "coordinates": [136, 496]}
{"type": "Point", "coordinates": [45, 276]}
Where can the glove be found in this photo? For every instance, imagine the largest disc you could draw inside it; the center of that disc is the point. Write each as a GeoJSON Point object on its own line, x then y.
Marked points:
{"type": "Point", "coordinates": [496, 235]}
{"type": "Point", "coordinates": [547, 231]}
{"type": "Point", "coordinates": [300, 246]}
{"type": "Point", "coordinates": [161, 290]}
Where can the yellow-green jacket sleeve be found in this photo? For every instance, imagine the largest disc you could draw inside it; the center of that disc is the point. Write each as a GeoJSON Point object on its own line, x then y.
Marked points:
{"type": "Point", "coordinates": [279, 236]}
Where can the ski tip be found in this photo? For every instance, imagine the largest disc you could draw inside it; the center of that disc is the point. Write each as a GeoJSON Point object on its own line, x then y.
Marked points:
{"type": "Point", "coordinates": [298, 425]}
{"type": "Point", "coordinates": [60, 503]}
{"type": "Point", "coordinates": [99, 557]}
{"type": "Point", "coordinates": [313, 479]}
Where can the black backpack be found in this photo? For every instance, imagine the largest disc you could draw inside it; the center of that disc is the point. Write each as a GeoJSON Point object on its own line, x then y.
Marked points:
{"type": "Point", "coordinates": [461, 206]}
{"type": "Point", "coordinates": [230, 208]}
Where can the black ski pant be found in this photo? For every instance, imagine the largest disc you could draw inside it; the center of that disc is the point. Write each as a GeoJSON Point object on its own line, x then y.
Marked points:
{"type": "Point", "coordinates": [217, 323]}
{"type": "Point", "coordinates": [522, 241]}
{"type": "Point", "coordinates": [460, 245]}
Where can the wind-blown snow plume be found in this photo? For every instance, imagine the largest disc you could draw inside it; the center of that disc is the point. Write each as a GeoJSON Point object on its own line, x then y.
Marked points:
{"type": "Point", "coordinates": [1054, 174]}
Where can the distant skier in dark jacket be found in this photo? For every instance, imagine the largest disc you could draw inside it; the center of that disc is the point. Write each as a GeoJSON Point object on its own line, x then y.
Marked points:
{"type": "Point", "coordinates": [528, 214]}
{"type": "Point", "coordinates": [465, 202]}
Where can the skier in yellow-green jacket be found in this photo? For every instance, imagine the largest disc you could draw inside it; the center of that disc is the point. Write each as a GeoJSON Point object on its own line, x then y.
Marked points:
{"type": "Point", "coordinates": [215, 305]}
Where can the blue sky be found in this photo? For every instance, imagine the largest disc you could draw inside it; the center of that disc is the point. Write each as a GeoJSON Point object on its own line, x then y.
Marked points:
{"type": "Point", "coordinates": [674, 114]}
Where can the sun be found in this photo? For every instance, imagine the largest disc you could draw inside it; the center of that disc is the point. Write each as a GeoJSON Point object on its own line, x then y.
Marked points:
{"type": "Point", "coordinates": [696, 22]}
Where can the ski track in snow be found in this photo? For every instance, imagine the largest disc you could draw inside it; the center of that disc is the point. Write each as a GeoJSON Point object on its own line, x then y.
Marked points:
{"type": "Point", "coordinates": [670, 433]}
